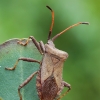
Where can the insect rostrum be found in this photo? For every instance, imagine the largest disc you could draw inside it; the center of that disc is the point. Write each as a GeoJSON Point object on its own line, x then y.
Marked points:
{"type": "Point", "coordinates": [49, 80]}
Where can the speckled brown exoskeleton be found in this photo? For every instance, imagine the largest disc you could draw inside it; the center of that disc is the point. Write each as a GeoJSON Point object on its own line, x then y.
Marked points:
{"type": "Point", "coordinates": [49, 80]}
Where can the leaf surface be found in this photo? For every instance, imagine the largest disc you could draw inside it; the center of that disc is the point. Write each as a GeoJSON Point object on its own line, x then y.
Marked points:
{"type": "Point", "coordinates": [10, 51]}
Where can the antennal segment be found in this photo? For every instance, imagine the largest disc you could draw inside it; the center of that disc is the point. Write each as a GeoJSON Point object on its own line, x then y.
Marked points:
{"type": "Point", "coordinates": [56, 36]}
{"type": "Point", "coordinates": [50, 31]}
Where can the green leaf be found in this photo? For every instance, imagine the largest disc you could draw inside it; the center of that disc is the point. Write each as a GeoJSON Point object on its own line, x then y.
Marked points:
{"type": "Point", "coordinates": [10, 51]}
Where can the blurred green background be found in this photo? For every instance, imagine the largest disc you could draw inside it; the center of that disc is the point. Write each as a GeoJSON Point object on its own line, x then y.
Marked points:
{"type": "Point", "coordinates": [23, 18]}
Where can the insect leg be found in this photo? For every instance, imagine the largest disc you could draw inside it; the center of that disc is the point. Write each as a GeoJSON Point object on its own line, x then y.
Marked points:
{"type": "Point", "coordinates": [65, 84]}
{"type": "Point", "coordinates": [34, 41]}
{"type": "Point", "coordinates": [42, 46]}
{"type": "Point", "coordinates": [25, 82]}
{"type": "Point", "coordinates": [24, 59]}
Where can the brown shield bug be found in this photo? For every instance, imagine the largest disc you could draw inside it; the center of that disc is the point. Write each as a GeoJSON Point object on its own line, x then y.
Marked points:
{"type": "Point", "coordinates": [49, 77]}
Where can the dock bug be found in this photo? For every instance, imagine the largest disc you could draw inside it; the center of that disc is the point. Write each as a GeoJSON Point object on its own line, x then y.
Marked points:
{"type": "Point", "coordinates": [49, 80]}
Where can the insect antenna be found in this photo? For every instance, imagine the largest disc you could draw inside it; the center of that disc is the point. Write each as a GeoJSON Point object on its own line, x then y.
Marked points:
{"type": "Point", "coordinates": [56, 36]}
{"type": "Point", "coordinates": [50, 31]}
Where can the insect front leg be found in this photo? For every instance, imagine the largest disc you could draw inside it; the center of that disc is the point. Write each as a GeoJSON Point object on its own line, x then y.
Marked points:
{"type": "Point", "coordinates": [42, 46]}
{"type": "Point", "coordinates": [34, 41]}
{"type": "Point", "coordinates": [64, 84]}
{"type": "Point", "coordinates": [23, 59]}
{"type": "Point", "coordinates": [25, 82]}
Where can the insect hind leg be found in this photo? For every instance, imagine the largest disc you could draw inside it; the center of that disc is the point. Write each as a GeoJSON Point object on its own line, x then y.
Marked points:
{"type": "Point", "coordinates": [25, 83]}
{"type": "Point", "coordinates": [64, 84]}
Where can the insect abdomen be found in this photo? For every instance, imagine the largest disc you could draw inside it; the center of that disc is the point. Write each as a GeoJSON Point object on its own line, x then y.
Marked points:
{"type": "Point", "coordinates": [49, 89]}
{"type": "Point", "coordinates": [38, 84]}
